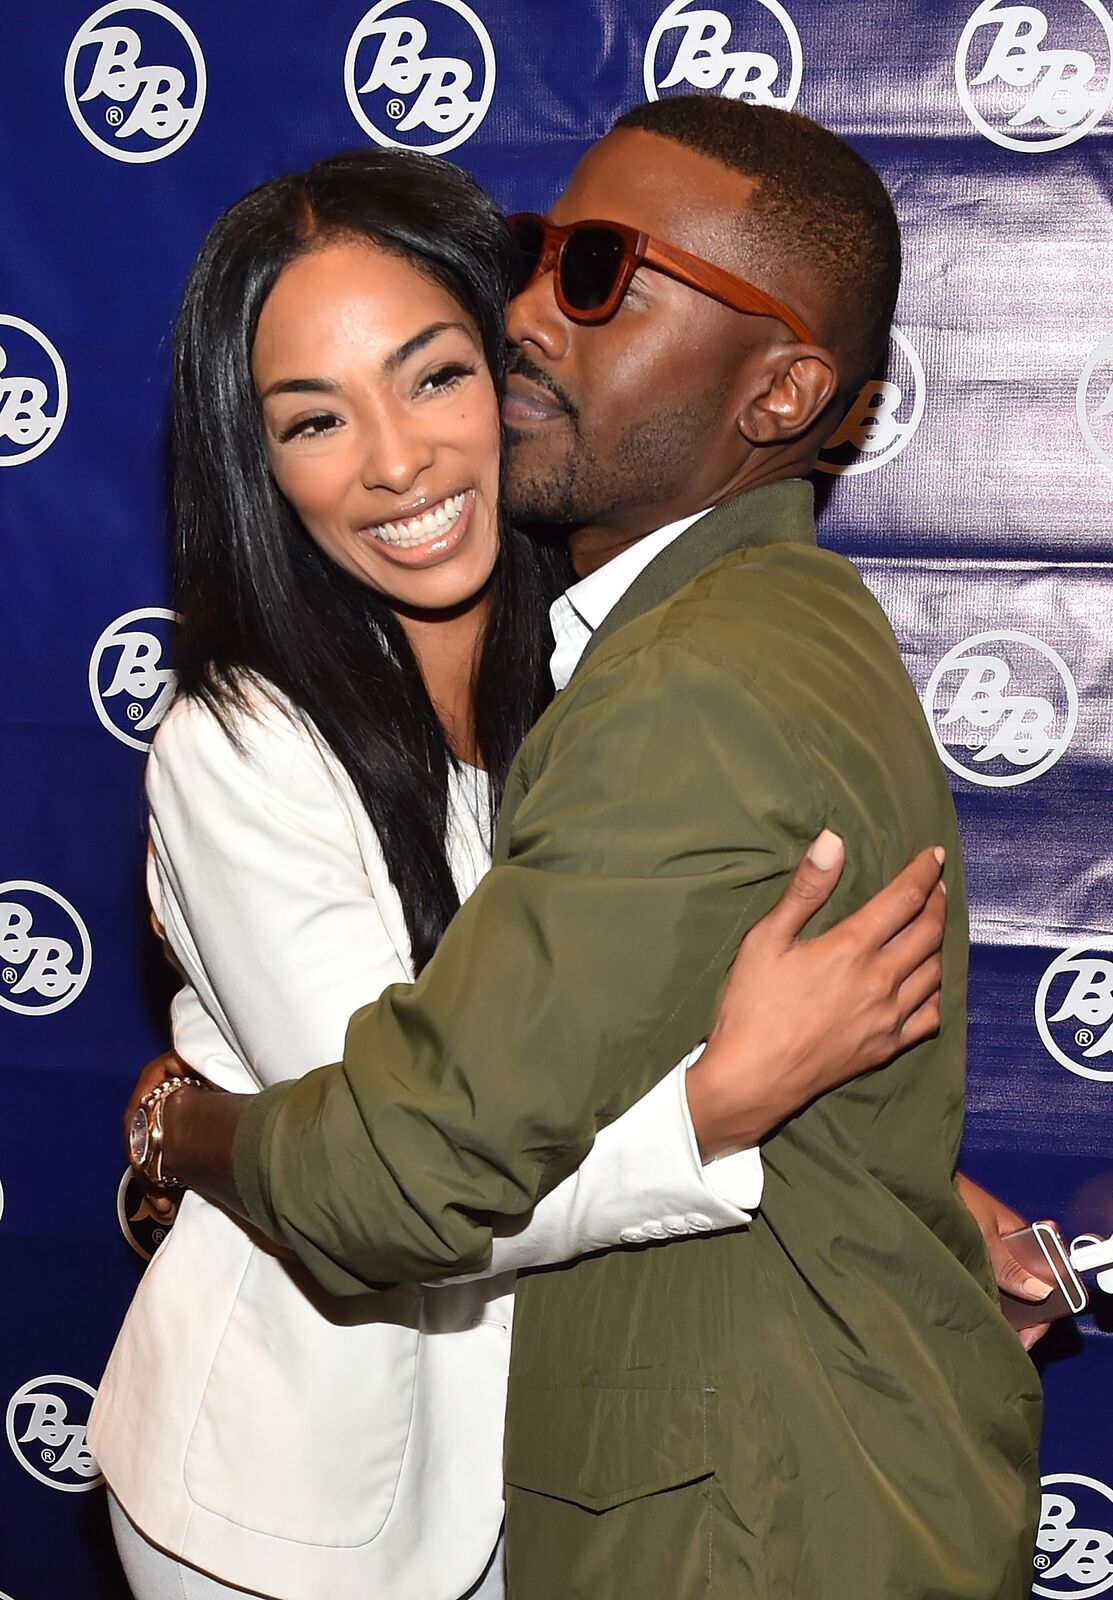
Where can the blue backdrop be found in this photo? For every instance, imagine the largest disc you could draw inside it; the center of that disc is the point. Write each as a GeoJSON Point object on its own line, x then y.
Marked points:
{"type": "Point", "coordinates": [971, 483]}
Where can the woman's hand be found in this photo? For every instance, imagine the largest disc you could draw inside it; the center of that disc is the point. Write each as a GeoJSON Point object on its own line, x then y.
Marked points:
{"type": "Point", "coordinates": [799, 1017]}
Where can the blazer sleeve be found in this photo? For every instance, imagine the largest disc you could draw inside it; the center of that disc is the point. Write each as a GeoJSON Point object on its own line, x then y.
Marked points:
{"type": "Point", "coordinates": [258, 882]}
{"type": "Point", "coordinates": [262, 890]}
{"type": "Point", "coordinates": [571, 981]}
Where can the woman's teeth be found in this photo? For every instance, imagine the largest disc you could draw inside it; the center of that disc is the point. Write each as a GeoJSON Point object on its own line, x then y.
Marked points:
{"type": "Point", "coordinates": [417, 530]}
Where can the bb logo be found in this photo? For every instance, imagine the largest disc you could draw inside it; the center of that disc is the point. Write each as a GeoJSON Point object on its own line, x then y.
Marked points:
{"type": "Point", "coordinates": [420, 72]}
{"type": "Point", "coordinates": [1002, 707]}
{"type": "Point", "coordinates": [46, 1430]}
{"type": "Point", "coordinates": [129, 682]}
{"type": "Point", "coordinates": [45, 951]}
{"type": "Point", "coordinates": [1074, 1010]}
{"type": "Point", "coordinates": [753, 53]}
{"type": "Point", "coordinates": [1029, 87]}
{"type": "Point", "coordinates": [1074, 1545]}
{"type": "Point", "coordinates": [143, 1228]}
{"type": "Point", "coordinates": [883, 418]}
{"type": "Point", "coordinates": [135, 80]}
{"type": "Point", "coordinates": [1094, 402]}
{"type": "Point", "coordinates": [33, 392]}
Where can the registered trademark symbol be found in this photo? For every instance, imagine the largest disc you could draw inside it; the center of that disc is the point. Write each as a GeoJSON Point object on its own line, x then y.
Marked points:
{"type": "Point", "coordinates": [114, 116]}
{"type": "Point", "coordinates": [48, 1456]}
{"type": "Point", "coordinates": [1084, 1038]}
{"type": "Point", "coordinates": [1041, 1562]}
{"type": "Point", "coordinates": [159, 1235]}
{"type": "Point", "coordinates": [974, 743]}
{"type": "Point", "coordinates": [9, 974]}
{"type": "Point", "coordinates": [396, 110]}
{"type": "Point", "coordinates": [135, 711]}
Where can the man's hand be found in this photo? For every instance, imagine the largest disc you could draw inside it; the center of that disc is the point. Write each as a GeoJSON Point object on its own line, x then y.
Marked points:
{"type": "Point", "coordinates": [168, 1065]}
{"type": "Point", "coordinates": [799, 1017]}
{"type": "Point", "coordinates": [995, 1219]}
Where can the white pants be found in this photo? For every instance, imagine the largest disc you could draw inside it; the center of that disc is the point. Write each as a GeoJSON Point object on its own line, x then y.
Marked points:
{"type": "Point", "coordinates": [153, 1575]}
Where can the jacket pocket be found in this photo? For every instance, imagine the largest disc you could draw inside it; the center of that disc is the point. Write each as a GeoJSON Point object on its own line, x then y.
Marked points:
{"type": "Point", "coordinates": [304, 1422]}
{"type": "Point", "coordinates": [603, 1447]}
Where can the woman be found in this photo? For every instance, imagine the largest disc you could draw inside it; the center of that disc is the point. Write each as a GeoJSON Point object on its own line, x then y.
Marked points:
{"type": "Point", "coordinates": [363, 648]}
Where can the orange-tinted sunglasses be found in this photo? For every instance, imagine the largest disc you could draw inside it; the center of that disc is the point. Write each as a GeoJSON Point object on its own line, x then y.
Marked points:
{"type": "Point", "coordinates": [593, 262]}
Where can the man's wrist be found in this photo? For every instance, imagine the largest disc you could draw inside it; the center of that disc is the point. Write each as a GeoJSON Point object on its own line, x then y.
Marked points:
{"type": "Point", "coordinates": [199, 1130]}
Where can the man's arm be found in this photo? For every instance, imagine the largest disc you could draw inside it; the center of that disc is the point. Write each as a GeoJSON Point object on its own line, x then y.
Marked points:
{"type": "Point", "coordinates": [572, 980]}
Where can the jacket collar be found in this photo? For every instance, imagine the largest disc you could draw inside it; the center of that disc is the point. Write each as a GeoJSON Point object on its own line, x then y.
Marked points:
{"type": "Point", "coordinates": [777, 513]}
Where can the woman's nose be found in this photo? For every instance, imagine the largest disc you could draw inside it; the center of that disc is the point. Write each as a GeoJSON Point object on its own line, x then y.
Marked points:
{"type": "Point", "coordinates": [397, 455]}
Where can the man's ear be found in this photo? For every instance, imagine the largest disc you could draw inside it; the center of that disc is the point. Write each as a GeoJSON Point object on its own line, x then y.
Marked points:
{"type": "Point", "coordinates": [788, 393]}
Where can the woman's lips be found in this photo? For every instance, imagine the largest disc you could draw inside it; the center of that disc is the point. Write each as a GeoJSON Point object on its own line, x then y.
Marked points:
{"type": "Point", "coordinates": [431, 550]}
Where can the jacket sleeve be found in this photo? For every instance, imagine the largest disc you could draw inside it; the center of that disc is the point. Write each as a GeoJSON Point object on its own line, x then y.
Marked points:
{"type": "Point", "coordinates": [663, 807]}
{"type": "Point", "coordinates": [262, 891]}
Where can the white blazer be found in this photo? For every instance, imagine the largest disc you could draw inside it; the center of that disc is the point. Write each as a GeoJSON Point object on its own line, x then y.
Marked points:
{"type": "Point", "coordinates": [303, 1447]}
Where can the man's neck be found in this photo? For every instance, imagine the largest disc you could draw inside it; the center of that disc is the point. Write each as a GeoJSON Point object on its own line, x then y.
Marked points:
{"type": "Point", "coordinates": [593, 545]}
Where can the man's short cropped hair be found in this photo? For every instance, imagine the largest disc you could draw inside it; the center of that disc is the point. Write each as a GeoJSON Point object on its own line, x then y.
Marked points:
{"type": "Point", "coordinates": [817, 199]}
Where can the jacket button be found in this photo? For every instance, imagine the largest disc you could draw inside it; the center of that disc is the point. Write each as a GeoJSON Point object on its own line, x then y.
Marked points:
{"type": "Point", "coordinates": [676, 1225]}
{"type": "Point", "coordinates": [655, 1230]}
{"type": "Point", "coordinates": [699, 1222]}
{"type": "Point", "coordinates": [631, 1236]}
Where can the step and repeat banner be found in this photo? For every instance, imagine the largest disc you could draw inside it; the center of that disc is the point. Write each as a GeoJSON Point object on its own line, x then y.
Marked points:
{"type": "Point", "coordinates": [971, 482]}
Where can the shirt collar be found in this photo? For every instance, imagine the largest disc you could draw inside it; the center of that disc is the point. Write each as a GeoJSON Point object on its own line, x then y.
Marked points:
{"type": "Point", "coordinates": [576, 614]}
{"type": "Point", "coordinates": [593, 598]}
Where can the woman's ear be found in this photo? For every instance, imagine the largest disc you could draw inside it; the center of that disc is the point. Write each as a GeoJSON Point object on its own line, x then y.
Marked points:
{"type": "Point", "coordinates": [795, 385]}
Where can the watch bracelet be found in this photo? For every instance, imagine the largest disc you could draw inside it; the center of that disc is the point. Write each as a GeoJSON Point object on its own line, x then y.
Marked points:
{"type": "Point", "coordinates": [152, 1103]}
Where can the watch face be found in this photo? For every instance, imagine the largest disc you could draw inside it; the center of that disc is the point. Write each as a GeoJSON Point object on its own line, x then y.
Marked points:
{"type": "Point", "coordinates": [139, 1137]}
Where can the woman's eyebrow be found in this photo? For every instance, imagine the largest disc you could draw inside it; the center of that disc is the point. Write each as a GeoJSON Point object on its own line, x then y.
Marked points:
{"type": "Point", "coordinates": [301, 386]}
{"type": "Point", "coordinates": [418, 342]}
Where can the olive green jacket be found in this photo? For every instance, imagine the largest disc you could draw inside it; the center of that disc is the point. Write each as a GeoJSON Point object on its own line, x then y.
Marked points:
{"type": "Point", "coordinates": [826, 1404]}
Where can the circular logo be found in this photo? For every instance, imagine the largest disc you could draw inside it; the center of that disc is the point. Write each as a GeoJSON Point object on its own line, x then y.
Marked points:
{"type": "Point", "coordinates": [1002, 708]}
{"type": "Point", "coordinates": [1074, 1010]}
{"type": "Point", "coordinates": [130, 686]}
{"type": "Point", "coordinates": [1093, 402]}
{"type": "Point", "coordinates": [135, 80]}
{"type": "Point", "coordinates": [883, 418]}
{"type": "Point", "coordinates": [45, 952]}
{"type": "Point", "coordinates": [33, 392]}
{"type": "Point", "coordinates": [143, 1228]}
{"type": "Point", "coordinates": [46, 1424]}
{"type": "Point", "coordinates": [1031, 86]}
{"type": "Point", "coordinates": [420, 73]}
{"type": "Point", "coordinates": [1074, 1544]}
{"type": "Point", "coordinates": [693, 47]}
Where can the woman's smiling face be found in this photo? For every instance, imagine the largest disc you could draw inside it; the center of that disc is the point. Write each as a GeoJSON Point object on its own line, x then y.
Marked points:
{"type": "Point", "coordinates": [381, 422]}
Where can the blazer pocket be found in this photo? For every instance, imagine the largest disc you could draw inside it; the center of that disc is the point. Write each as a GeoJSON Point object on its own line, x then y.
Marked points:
{"type": "Point", "coordinates": [603, 1447]}
{"type": "Point", "coordinates": [304, 1422]}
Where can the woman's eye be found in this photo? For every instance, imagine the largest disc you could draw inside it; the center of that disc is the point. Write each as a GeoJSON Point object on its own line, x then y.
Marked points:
{"type": "Point", "coordinates": [309, 427]}
{"type": "Point", "coordinates": [446, 377]}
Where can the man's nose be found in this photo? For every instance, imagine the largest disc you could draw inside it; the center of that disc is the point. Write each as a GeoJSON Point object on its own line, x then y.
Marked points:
{"type": "Point", "coordinates": [534, 318]}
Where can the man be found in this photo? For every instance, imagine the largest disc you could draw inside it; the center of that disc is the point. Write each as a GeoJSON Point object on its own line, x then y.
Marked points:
{"type": "Point", "coordinates": [827, 1404]}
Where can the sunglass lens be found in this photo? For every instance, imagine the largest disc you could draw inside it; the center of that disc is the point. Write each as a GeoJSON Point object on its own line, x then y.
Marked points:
{"type": "Point", "coordinates": [529, 241]}
{"type": "Point", "coordinates": [590, 267]}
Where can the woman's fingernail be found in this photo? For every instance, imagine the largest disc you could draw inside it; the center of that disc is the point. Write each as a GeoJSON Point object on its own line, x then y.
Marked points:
{"type": "Point", "coordinates": [940, 854]}
{"type": "Point", "coordinates": [825, 850]}
{"type": "Point", "coordinates": [1036, 1288]}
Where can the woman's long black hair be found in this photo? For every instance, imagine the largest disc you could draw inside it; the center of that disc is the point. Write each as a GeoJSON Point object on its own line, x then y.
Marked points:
{"type": "Point", "coordinates": [255, 593]}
